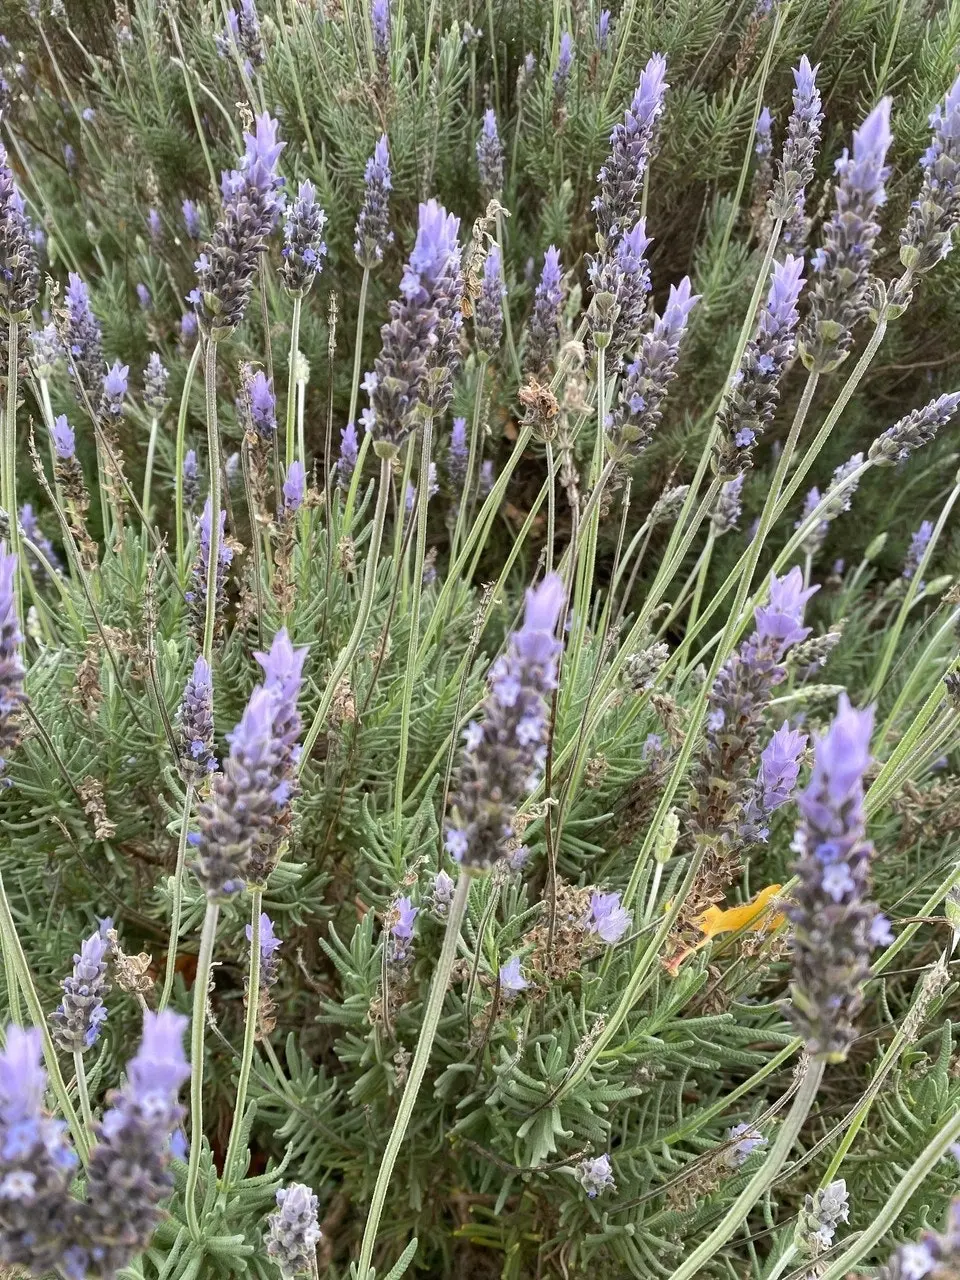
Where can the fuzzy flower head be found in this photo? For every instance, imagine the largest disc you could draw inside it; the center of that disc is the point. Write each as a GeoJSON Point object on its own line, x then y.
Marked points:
{"type": "Point", "coordinates": [506, 749]}
{"type": "Point", "coordinates": [294, 488]}
{"type": "Point", "coordinates": [842, 265]}
{"type": "Point", "coordinates": [293, 1231]}
{"type": "Point", "coordinates": [82, 336]}
{"type": "Point", "coordinates": [780, 620]}
{"type": "Point", "coordinates": [349, 453]}
{"type": "Point", "coordinates": [490, 156]}
{"type": "Point", "coordinates": [746, 1139]}
{"type": "Point", "coordinates": [543, 328]}
{"type": "Point", "coordinates": [372, 231]}
{"type": "Point", "coordinates": [596, 1176]}
{"type": "Point", "coordinates": [261, 405]}
{"type": "Point", "coordinates": [196, 723]}
{"type": "Point", "coordinates": [776, 781]}
{"type": "Point", "coordinates": [64, 437]}
{"type": "Point", "coordinates": [561, 73]}
{"type": "Point", "coordinates": [81, 1013]}
{"type": "Point", "coordinates": [304, 248]}
{"type": "Point", "coordinates": [916, 429]}
{"type": "Point", "coordinates": [19, 272]}
{"type": "Point", "coordinates": [763, 140]}
{"type": "Point", "coordinates": [155, 378]}
{"type": "Point", "coordinates": [488, 307]}
{"type": "Point", "coordinates": [796, 168]}
{"type": "Point", "coordinates": [12, 671]}
{"type": "Point", "coordinates": [458, 453]}
{"type": "Point", "coordinates": [380, 22]}
{"type": "Point", "coordinates": [270, 945]}
{"type": "Point", "coordinates": [832, 918]}
{"type": "Point", "coordinates": [620, 281]}
{"type": "Point", "coordinates": [919, 542]}
{"type": "Point", "coordinates": [191, 219]}
{"type": "Point", "coordinates": [602, 31]}
{"type": "Point", "coordinates": [927, 237]}
{"type": "Point", "coordinates": [114, 389]}
{"type": "Point", "coordinates": [632, 144]}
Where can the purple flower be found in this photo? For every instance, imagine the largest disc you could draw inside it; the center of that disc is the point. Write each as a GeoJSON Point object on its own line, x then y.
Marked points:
{"type": "Point", "coordinates": [189, 326]}
{"type": "Point", "coordinates": [795, 171]}
{"type": "Point", "coordinates": [596, 1176]}
{"type": "Point", "coordinates": [380, 21]}
{"type": "Point", "coordinates": [751, 400]}
{"type": "Point", "coordinates": [832, 918]}
{"type": "Point", "coordinates": [251, 204]}
{"type": "Point", "coordinates": [458, 454]}
{"type": "Point", "coordinates": [506, 750]}
{"type": "Point", "coordinates": [776, 781]}
{"type": "Point", "coordinates": [840, 294]}
{"type": "Point", "coordinates": [83, 338]}
{"type": "Point", "coordinates": [191, 479]}
{"type": "Point", "coordinates": [349, 453]}
{"type": "Point", "coordinates": [143, 297]}
{"type": "Point", "coordinates": [293, 1232]}
{"type": "Point", "coordinates": [620, 281]}
{"type": "Point", "coordinates": [36, 1161]}
{"type": "Point", "coordinates": [243, 34]}
{"type": "Point", "coordinates": [512, 980]}
{"type": "Point", "coordinates": [631, 425]}
{"type": "Point", "coordinates": [19, 273]}
{"type": "Point", "coordinates": [196, 724]}
{"type": "Point", "coordinates": [261, 405]}
{"type": "Point", "coordinates": [490, 156]}
{"type": "Point", "coordinates": [81, 1013]}
{"type": "Point", "coordinates": [763, 142]}
{"type": "Point", "coordinates": [442, 895]}
{"type": "Point", "coordinates": [154, 225]}
{"type": "Point", "coordinates": [746, 1140]}
{"type": "Point", "coordinates": [421, 341]}
{"type": "Point", "coordinates": [64, 437]}
{"type": "Point", "coordinates": [46, 350]}
{"type": "Point", "coordinates": [543, 327]}
{"type": "Point", "coordinates": [294, 488]}
{"type": "Point", "coordinates": [70, 157]}
{"type": "Point", "coordinates": [114, 389]}
{"type": "Point", "coordinates": [726, 511]}
{"type": "Point", "coordinates": [128, 1176]}
{"type": "Point", "coordinates": [155, 384]}
{"type": "Point", "coordinates": [607, 918]}
{"type": "Point", "coordinates": [191, 219]}
{"type": "Point", "coordinates": [632, 144]}
{"type": "Point", "coordinates": [373, 232]}
{"type": "Point", "coordinates": [918, 428]}
{"type": "Point", "coordinates": [196, 596]}
{"type": "Point", "coordinates": [270, 944]}
{"type": "Point", "coordinates": [602, 30]}
{"type": "Point", "coordinates": [926, 239]}
{"type": "Point", "coordinates": [304, 248]}
{"type": "Point", "coordinates": [33, 532]}
{"type": "Point", "coordinates": [12, 670]}
{"type": "Point", "coordinates": [561, 74]}
{"type": "Point", "coordinates": [918, 546]}
{"type": "Point", "coordinates": [488, 308]}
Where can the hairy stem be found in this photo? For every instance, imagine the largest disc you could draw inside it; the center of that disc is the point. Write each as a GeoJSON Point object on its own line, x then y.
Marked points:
{"type": "Point", "coordinates": [201, 985]}
{"type": "Point", "coordinates": [177, 904]}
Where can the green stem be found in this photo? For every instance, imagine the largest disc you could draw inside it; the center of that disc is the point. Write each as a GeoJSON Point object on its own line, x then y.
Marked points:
{"type": "Point", "coordinates": [148, 467]}
{"type": "Point", "coordinates": [8, 493]}
{"type": "Point", "coordinates": [472, 457]}
{"type": "Point", "coordinates": [14, 958]}
{"type": "Point", "coordinates": [363, 614]}
{"type": "Point", "coordinates": [290, 435]}
{"type": "Point", "coordinates": [174, 30]}
{"type": "Point", "coordinates": [213, 449]}
{"type": "Point", "coordinates": [182, 537]}
{"type": "Point", "coordinates": [177, 906]}
{"type": "Point", "coordinates": [428, 1031]}
{"type": "Point", "coordinates": [201, 984]}
{"type": "Point", "coordinates": [908, 1185]}
{"type": "Point", "coordinates": [83, 1094]}
{"type": "Point", "coordinates": [249, 1041]}
{"type": "Point", "coordinates": [423, 503]}
{"type": "Point", "coordinates": [762, 1180]}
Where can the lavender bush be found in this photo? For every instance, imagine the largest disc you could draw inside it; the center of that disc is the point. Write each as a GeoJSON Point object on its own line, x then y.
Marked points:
{"type": "Point", "coordinates": [479, 608]}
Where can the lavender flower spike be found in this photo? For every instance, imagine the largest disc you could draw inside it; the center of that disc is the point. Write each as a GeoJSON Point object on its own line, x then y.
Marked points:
{"type": "Point", "coordinates": [505, 750]}
{"type": "Point", "coordinates": [488, 308]}
{"type": "Point", "coordinates": [82, 336]}
{"type": "Point", "coordinates": [380, 22]}
{"type": "Point", "coordinates": [543, 328]}
{"type": "Point", "coordinates": [196, 724]}
{"type": "Point", "coordinates": [632, 144]}
{"type": "Point", "coordinates": [349, 453]}
{"type": "Point", "coordinates": [919, 542]}
{"type": "Point", "coordinates": [270, 944]}
{"type": "Point", "coordinates": [81, 1013]}
{"type": "Point", "coordinates": [935, 1256]}
{"type": "Point", "coordinates": [191, 479]}
{"type": "Point", "coordinates": [19, 273]}
{"type": "Point", "coordinates": [293, 1232]}
{"type": "Point", "coordinates": [129, 1177]}
{"type": "Point", "coordinates": [927, 237]}
{"type": "Point", "coordinates": [596, 1176]}
{"type": "Point", "coordinates": [294, 488]}
{"type": "Point", "coordinates": [373, 232]}
{"type": "Point", "coordinates": [196, 596]}
{"type": "Point", "coordinates": [918, 428]}
{"type": "Point", "coordinates": [621, 281]}
{"type": "Point", "coordinates": [799, 153]}
{"type": "Point", "coordinates": [251, 205]}
{"type": "Point", "coordinates": [114, 389]}
{"type": "Point", "coordinates": [776, 781]}
{"type": "Point", "coordinates": [561, 74]}
{"type": "Point", "coordinates": [458, 455]}
{"type": "Point", "coordinates": [155, 378]}
{"type": "Point", "coordinates": [191, 219]}
{"type": "Point", "coordinates": [839, 298]}
{"type": "Point", "coordinates": [490, 156]}
{"type": "Point", "coordinates": [304, 248]}
{"type": "Point", "coordinates": [36, 1161]}
{"type": "Point", "coordinates": [727, 509]}
{"type": "Point", "coordinates": [631, 425]}
{"type": "Point", "coordinates": [832, 920]}
{"type": "Point", "coordinates": [12, 670]}
{"type": "Point", "coordinates": [752, 398]}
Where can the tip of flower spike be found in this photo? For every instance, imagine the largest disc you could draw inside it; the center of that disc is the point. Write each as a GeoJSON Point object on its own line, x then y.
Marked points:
{"type": "Point", "coordinates": [843, 753]}
{"type": "Point", "coordinates": [160, 1063]}
{"type": "Point", "coordinates": [873, 138]}
{"type": "Point", "coordinates": [283, 665]}
{"type": "Point", "coordinates": [22, 1078]}
{"type": "Point", "coordinates": [804, 76]}
{"type": "Point", "coordinates": [651, 87]}
{"type": "Point", "coordinates": [544, 603]}
{"type": "Point", "coordinates": [201, 672]}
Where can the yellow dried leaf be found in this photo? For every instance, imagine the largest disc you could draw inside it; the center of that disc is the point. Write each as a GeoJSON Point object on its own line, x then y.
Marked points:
{"type": "Point", "coordinates": [719, 920]}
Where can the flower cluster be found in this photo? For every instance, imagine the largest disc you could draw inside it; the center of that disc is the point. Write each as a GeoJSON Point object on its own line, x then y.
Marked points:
{"type": "Point", "coordinates": [349, 453]}
{"type": "Point", "coordinates": [596, 1176]}
{"type": "Point", "coordinates": [728, 506]}
{"type": "Point", "coordinates": [488, 307]}
{"type": "Point", "coordinates": [919, 542]}
{"type": "Point", "coordinates": [820, 1216]}
{"type": "Point", "coordinates": [19, 273]}
{"type": "Point", "coordinates": [926, 238]}
{"type": "Point", "coordinates": [197, 594]}
{"type": "Point", "coordinates": [775, 783]}
{"type": "Point", "coordinates": [506, 750]}
{"type": "Point", "coordinates": [81, 1013]}
{"type": "Point", "coordinates": [607, 919]}
{"type": "Point", "coordinates": [191, 479]}
{"type": "Point", "coordinates": [243, 34]}
{"type": "Point", "coordinates": [420, 342]}
{"type": "Point", "coordinates": [935, 1255]}
{"type": "Point", "coordinates": [304, 248]}
{"type": "Point", "coordinates": [621, 282]}
{"type": "Point", "coordinates": [561, 73]}
{"type": "Point", "coordinates": [839, 297]}
{"type": "Point", "coordinates": [372, 231]}
{"type": "Point", "coordinates": [834, 926]}
{"type": "Point", "coordinates": [12, 670]}
{"type": "Point", "coordinates": [82, 337]}
{"type": "Point", "coordinates": [31, 530]}
{"type": "Point", "coordinates": [632, 143]}
{"type": "Point", "coordinates": [751, 400]}
{"type": "Point", "coordinates": [490, 156]}
{"type": "Point", "coordinates": [293, 1232]}
{"type": "Point", "coordinates": [543, 327]}
{"type": "Point", "coordinates": [196, 724]}
{"type": "Point", "coordinates": [251, 205]}
{"type": "Point", "coordinates": [270, 945]}
{"type": "Point", "coordinates": [631, 425]}
{"type": "Point", "coordinates": [380, 22]}
{"type": "Point", "coordinates": [795, 171]}
{"type": "Point", "coordinates": [917, 428]}
{"type": "Point", "coordinates": [155, 378]}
